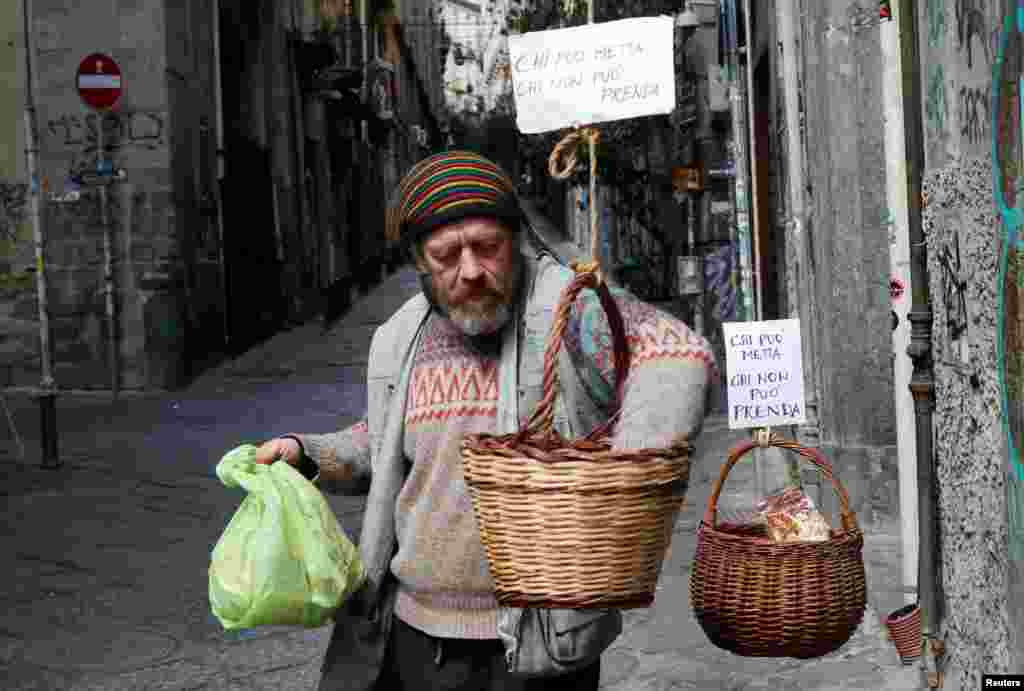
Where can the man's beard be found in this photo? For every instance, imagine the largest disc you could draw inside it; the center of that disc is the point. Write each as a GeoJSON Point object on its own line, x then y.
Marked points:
{"type": "Point", "coordinates": [480, 319]}
{"type": "Point", "coordinates": [484, 316]}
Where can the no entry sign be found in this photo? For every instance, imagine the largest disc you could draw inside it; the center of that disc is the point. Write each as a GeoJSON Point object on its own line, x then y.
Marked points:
{"type": "Point", "coordinates": [99, 81]}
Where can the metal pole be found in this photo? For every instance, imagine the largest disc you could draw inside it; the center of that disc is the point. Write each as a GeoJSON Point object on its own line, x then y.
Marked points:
{"type": "Point", "coordinates": [595, 230]}
{"type": "Point", "coordinates": [737, 99]}
{"type": "Point", "coordinates": [738, 106]}
{"type": "Point", "coordinates": [920, 350]}
{"type": "Point", "coordinates": [108, 270]}
{"type": "Point", "coordinates": [48, 388]}
{"type": "Point", "coordinates": [786, 18]}
{"type": "Point", "coordinates": [758, 279]}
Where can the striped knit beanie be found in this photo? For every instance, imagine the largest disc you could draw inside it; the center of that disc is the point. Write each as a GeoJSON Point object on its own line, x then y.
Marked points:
{"type": "Point", "coordinates": [445, 188]}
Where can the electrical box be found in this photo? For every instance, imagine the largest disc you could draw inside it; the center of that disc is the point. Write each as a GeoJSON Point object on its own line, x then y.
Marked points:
{"type": "Point", "coordinates": [690, 275]}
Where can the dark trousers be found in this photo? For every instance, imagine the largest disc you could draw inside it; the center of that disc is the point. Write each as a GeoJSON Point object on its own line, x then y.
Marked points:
{"type": "Point", "coordinates": [418, 662]}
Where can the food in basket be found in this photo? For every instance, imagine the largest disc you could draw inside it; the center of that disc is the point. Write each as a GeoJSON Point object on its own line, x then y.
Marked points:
{"type": "Point", "coordinates": [791, 500]}
{"type": "Point", "coordinates": [792, 517]}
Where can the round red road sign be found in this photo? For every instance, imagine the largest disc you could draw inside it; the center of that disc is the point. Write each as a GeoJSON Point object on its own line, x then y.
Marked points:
{"type": "Point", "coordinates": [99, 81]}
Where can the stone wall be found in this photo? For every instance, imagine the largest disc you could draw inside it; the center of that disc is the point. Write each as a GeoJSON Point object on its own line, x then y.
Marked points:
{"type": "Point", "coordinates": [16, 335]}
{"type": "Point", "coordinates": [846, 207]}
{"type": "Point", "coordinates": [136, 139]}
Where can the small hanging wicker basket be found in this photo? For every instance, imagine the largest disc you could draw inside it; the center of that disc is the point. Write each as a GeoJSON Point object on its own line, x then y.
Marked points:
{"type": "Point", "coordinates": [574, 524]}
{"type": "Point", "coordinates": [758, 598]}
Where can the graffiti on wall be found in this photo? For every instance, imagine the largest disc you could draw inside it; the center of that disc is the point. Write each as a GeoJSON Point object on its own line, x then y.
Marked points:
{"type": "Point", "coordinates": [973, 109]}
{"type": "Point", "coordinates": [1009, 337]}
{"type": "Point", "coordinates": [954, 289]}
{"type": "Point", "coordinates": [935, 100]}
{"type": "Point", "coordinates": [720, 281]}
{"type": "Point", "coordinates": [971, 29]}
{"type": "Point", "coordinates": [13, 201]}
{"type": "Point", "coordinates": [143, 129]}
{"type": "Point", "coordinates": [936, 13]}
{"type": "Point", "coordinates": [121, 131]}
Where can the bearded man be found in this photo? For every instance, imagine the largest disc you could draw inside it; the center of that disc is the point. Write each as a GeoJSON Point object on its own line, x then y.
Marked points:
{"type": "Point", "coordinates": [466, 355]}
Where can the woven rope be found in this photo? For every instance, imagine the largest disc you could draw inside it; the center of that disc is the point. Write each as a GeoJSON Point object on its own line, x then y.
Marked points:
{"type": "Point", "coordinates": [567, 149]}
{"type": "Point", "coordinates": [758, 598]}
{"type": "Point", "coordinates": [544, 414]}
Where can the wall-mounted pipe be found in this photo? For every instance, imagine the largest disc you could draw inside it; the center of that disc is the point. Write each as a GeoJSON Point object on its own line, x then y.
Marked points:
{"type": "Point", "coordinates": [218, 101]}
{"type": "Point", "coordinates": [922, 382]}
{"type": "Point", "coordinates": [755, 201]}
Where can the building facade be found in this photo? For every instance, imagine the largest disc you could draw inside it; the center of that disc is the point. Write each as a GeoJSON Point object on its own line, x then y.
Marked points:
{"type": "Point", "coordinates": [19, 331]}
{"type": "Point", "coordinates": [256, 141]}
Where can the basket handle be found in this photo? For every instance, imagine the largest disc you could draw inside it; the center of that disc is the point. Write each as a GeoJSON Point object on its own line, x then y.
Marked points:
{"type": "Point", "coordinates": [543, 417]}
{"type": "Point", "coordinates": [813, 456]}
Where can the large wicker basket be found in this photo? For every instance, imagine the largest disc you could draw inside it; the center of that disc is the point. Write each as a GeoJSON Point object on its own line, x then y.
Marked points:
{"type": "Point", "coordinates": [757, 598]}
{"type": "Point", "coordinates": [574, 524]}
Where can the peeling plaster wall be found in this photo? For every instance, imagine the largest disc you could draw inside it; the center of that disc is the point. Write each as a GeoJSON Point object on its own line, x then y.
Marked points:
{"type": "Point", "coordinates": [965, 237]}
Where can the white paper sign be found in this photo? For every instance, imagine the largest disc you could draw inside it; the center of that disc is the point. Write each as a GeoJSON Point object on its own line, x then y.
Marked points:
{"type": "Point", "coordinates": [593, 73]}
{"type": "Point", "coordinates": [764, 366]}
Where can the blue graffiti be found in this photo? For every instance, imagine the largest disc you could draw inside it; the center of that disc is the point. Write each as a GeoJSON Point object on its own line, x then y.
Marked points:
{"type": "Point", "coordinates": [720, 280]}
{"type": "Point", "coordinates": [1012, 218]}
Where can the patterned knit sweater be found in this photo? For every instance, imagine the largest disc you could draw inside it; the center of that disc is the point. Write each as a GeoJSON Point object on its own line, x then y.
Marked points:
{"type": "Point", "coordinates": [445, 588]}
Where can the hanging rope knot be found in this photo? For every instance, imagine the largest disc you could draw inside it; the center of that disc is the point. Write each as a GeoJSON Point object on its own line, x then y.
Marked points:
{"type": "Point", "coordinates": [763, 437]}
{"type": "Point", "coordinates": [581, 267]}
{"type": "Point", "coordinates": [567, 148]}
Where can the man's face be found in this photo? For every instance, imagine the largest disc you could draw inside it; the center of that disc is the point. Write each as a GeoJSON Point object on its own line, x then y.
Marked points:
{"type": "Point", "coordinates": [472, 268]}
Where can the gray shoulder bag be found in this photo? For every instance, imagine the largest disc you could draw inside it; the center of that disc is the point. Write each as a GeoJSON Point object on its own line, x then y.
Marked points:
{"type": "Point", "coordinates": [552, 642]}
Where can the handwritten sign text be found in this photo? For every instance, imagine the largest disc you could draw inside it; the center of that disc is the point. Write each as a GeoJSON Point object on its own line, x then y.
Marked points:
{"type": "Point", "coordinates": [765, 373]}
{"type": "Point", "coordinates": [593, 73]}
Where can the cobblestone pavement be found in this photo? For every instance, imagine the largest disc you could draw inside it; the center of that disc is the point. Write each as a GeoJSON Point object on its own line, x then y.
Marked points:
{"type": "Point", "coordinates": [107, 558]}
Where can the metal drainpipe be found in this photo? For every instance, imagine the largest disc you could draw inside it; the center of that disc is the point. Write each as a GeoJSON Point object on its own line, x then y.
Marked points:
{"type": "Point", "coordinates": [308, 233]}
{"type": "Point", "coordinates": [218, 99]}
{"type": "Point", "coordinates": [920, 349]}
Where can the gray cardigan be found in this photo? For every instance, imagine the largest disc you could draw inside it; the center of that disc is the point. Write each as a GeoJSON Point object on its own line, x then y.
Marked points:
{"type": "Point", "coordinates": [362, 627]}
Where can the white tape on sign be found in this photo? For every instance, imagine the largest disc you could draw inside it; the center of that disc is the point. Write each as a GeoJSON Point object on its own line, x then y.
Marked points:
{"type": "Point", "coordinates": [99, 81]}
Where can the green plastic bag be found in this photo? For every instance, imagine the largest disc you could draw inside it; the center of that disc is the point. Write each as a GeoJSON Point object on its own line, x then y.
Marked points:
{"type": "Point", "coordinates": [283, 559]}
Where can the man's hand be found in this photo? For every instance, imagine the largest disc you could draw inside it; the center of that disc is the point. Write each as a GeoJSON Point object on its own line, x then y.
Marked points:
{"type": "Point", "coordinates": [287, 450]}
